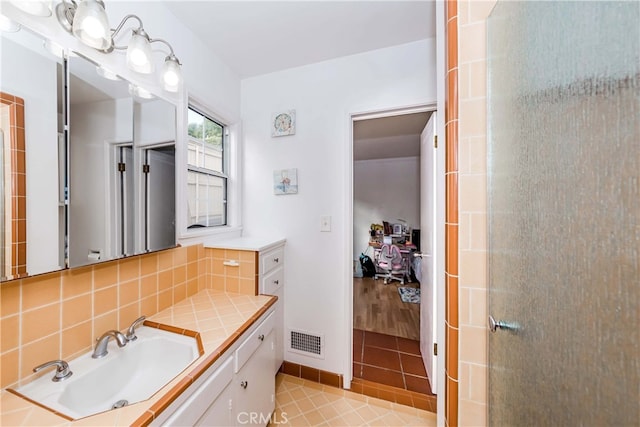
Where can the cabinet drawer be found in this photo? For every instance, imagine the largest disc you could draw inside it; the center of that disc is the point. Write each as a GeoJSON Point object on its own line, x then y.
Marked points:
{"type": "Point", "coordinates": [254, 341]}
{"type": "Point", "coordinates": [271, 260]}
{"type": "Point", "coordinates": [272, 281]}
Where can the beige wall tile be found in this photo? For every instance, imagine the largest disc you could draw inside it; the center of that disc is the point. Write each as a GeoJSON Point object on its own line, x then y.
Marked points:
{"type": "Point", "coordinates": [180, 256]}
{"type": "Point", "coordinates": [129, 292]}
{"type": "Point", "coordinates": [478, 79]}
{"type": "Point", "coordinates": [77, 281]}
{"type": "Point", "coordinates": [129, 269]}
{"type": "Point", "coordinates": [39, 352]}
{"type": "Point", "coordinates": [105, 274]}
{"type": "Point", "coordinates": [37, 291]}
{"type": "Point", "coordinates": [165, 260]}
{"type": "Point", "coordinates": [9, 333]}
{"type": "Point", "coordinates": [473, 193]}
{"type": "Point", "coordinates": [471, 42]}
{"type": "Point", "coordinates": [476, 150]}
{"type": "Point", "coordinates": [477, 307]}
{"type": "Point", "coordinates": [472, 414]}
{"type": "Point", "coordinates": [76, 310]}
{"type": "Point", "coordinates": [127, 314]}
{"type": "Point", "coordinates": [77, 338]}
{"type": "Point", "coordinates": [464, 234]}
{"type": "Point", "coordinates": [105, 300]}
{"type": "Point", "coordinates": [10, 298]}
{"type": "Point", "coordinates": [474, 270]}
{"type": "Point", "coordinates": [473, 116]}
{"type": "Point", "coordinates": [475, 348]}
{"type": "Point", "coordinates": [40, 322]}
{"type": "Point", "coordinates": [463, 302]}
{"type": "Point", "coordinates": [478, 231]}
{"type": "Point", "coordinates": [9, 373]}
{"type": "Point", "coordinates": [192, 270]}
{"type": "Point", "coordinates": [149, 264]}
{"type": "Point", "coordinates": [149, 305]}
{"type": "Point", "coordinates": [104, 323]}
{"type": "Point", "coordinates": [165, 280]}
{"type": "Point", "coordinates": [149, 285]}
{"type": "Point", "coordinates": [179, 275]}
{"type": "Point", "coordinates": [478, 383]}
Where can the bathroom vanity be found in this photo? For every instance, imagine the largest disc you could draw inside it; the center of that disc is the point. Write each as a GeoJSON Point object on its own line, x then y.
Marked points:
{"type": "Point", "coordinates": [231, 380]}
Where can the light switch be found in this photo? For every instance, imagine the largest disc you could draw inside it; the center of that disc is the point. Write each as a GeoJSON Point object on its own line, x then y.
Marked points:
{"type": "Point", "coordinates": [325, 223]}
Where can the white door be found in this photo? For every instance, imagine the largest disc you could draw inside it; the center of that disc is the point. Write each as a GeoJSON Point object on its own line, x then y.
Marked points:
{"type": "Point", "coordinates": [428, 288]}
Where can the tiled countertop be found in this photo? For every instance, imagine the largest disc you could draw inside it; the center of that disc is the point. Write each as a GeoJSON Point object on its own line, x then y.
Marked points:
{"type": "Point", "coordinates": [219, 317]}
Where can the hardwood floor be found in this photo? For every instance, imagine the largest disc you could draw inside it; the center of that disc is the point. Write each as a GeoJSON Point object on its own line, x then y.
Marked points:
{"type": "Point", "coordinates": [378, 308]}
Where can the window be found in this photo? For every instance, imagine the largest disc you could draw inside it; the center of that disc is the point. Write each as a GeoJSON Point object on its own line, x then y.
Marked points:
{"type": "Point", "coordinates": [206, 172]}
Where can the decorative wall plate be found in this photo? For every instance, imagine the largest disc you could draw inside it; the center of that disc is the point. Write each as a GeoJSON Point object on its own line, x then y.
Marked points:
{"type": "Point", "coordinates": [283, 123]}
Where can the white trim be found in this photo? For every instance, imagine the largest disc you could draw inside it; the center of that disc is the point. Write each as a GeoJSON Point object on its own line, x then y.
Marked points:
{"type": "Point", "coordinates": [441, 49]}
{"type": "Point", "coordinates": [348, 220]}
{"type": "Point", "coordinates": [233, 155]}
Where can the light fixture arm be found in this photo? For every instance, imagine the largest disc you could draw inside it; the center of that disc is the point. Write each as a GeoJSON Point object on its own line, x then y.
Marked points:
{"type": "Point", "coordinates": [115, 32]}
{"type": "Point", "coordinates": [171, 54]}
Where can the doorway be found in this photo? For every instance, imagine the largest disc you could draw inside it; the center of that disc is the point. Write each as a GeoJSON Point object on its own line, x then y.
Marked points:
{"type": "Point", "coordinates": [387, 208]}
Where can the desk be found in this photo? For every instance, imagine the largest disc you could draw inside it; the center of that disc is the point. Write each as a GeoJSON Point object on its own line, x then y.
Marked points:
{"type": "Point", "coordinates": [406, 250]}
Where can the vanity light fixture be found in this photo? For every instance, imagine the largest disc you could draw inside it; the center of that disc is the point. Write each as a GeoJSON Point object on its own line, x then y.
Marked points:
{"type": "Point", "coordinates": [33, 7]}
{"type": "Point", "coordinates": [87, 21]}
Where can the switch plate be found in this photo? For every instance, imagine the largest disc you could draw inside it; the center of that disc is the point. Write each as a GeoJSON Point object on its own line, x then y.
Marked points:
{"type": "Point", "coordinates": [325, 223]}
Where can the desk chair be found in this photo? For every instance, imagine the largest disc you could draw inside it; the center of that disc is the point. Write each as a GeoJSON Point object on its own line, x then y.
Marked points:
{"type": "Point", "coordinates": [391, 262]}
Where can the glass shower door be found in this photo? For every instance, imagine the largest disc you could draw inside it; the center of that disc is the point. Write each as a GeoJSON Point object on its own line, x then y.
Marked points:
{"type": "Point", "coordinates": [564, 213]}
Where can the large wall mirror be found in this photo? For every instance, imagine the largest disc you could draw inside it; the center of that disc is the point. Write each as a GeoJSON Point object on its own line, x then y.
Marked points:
{"type": "Point", "coordinates": [103, 190]}
{"type": "Point", "coordinates": [32, 203]}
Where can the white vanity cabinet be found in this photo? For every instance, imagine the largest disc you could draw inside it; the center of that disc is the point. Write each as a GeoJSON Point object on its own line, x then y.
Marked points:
{"type": "Point", "coordinates": [237, 390]}
{"type": "Point", "coordinates": [271, 277]}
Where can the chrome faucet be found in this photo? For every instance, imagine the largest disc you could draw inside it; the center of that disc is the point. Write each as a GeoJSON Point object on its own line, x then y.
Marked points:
{"type": "Point", "coordinates": [101, 347]}
{"type": "Point", "coordinates": [62, 369]}
{"type": "Point", "coordinates": [131, 332]}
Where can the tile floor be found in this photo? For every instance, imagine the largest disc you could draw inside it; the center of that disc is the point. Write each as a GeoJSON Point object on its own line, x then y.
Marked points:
{"type": "Point", "coordinates": [305, 403]}
{"type": "Point", "coordinates": [389, 360]}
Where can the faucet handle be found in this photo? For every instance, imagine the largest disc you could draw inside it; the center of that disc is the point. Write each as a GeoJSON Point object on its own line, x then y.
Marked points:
{"type": "Point", "coordinates": [62, 369]}
{"type": "Point", "coordinates": [131, 332]}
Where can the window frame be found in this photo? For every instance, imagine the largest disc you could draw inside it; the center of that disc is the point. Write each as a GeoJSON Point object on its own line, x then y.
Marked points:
{"type": "Point", "coordinates": [225, 175]}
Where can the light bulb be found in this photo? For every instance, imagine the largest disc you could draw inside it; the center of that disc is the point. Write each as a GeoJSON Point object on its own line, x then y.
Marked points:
{"type": "Point", "coordinates": [90, 25]}
{"type": "Point", "coordinates": [171, 74]}
{"type": "Point", "coordinates": [139, 57]}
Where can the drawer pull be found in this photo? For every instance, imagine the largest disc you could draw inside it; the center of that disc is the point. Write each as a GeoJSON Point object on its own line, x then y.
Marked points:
{"type": "Point", "coordinates": [261, 337]}
{"type": "Point", "coordinates": [231, 263]}
{"type": "Point", "coordinates": [276, 282]}
{"type": "Point", "coordinates": [244, 384]}
{"type": "Point", "coordinates": [276, 260]}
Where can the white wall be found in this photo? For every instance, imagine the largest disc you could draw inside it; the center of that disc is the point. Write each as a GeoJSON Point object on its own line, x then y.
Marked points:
{"type": "Point", "coordinates": [32, 76]}
{"type": "Point", "coordinates": [384, 190]}
{"type": "Point", "coordinates": [94, 125]}
{"type": "Point", "coordinates": [324, 95]}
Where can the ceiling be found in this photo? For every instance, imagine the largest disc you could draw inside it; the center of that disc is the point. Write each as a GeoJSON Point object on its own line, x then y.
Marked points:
{"type": "Point", "coordinates": [388, 137]}
{"type": "Point", "coordinates": [259, 37]}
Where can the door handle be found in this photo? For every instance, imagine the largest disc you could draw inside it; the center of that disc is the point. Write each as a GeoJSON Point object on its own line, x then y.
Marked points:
{"type": "Point", "coordinates": [494, 325]}
{"type": "Point", "coordinates": [420, 255]}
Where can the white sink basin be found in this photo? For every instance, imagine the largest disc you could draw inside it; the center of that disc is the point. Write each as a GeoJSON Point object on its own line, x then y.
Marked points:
{"type": "Point", "coordinates": [132, 373]}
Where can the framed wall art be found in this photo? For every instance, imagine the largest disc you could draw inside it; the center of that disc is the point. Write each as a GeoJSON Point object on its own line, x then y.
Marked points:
{"type": "Point", "coordinates": [285, 181]}
{"type": "Point", "coordinates": [283, 123]}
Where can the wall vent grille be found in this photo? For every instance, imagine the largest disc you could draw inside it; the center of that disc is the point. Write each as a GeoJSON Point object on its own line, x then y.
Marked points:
{"type": "Point", "coordinates": [306, 343]}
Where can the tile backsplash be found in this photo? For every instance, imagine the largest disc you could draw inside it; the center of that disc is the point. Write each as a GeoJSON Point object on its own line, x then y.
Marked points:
{"type": "Point", "coordinates": [59, 315]}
